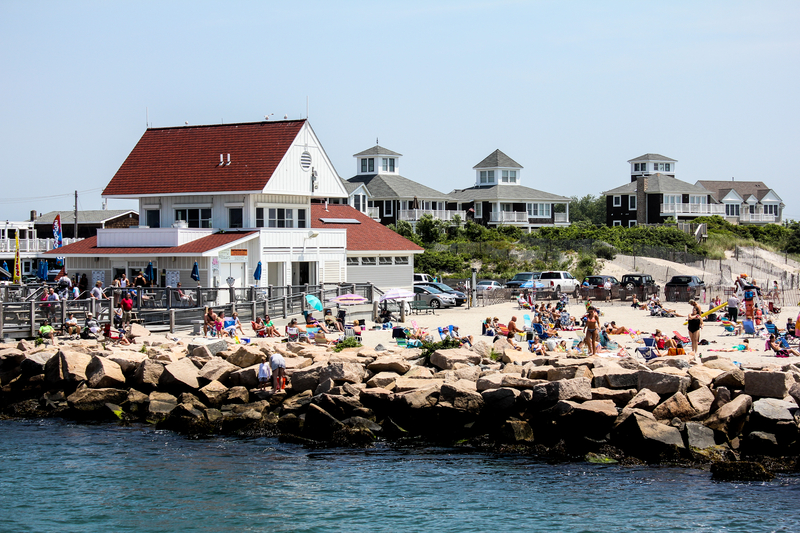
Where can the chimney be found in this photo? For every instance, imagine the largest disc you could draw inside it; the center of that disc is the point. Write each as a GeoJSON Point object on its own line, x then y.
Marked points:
{"type": "Point", "coordinates": [641, 200]}
{"type": "Point", "coordinates": [33, 216]}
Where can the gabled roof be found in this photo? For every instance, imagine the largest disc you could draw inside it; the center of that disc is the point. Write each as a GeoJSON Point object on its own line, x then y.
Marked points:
{"type": "Point", "coordinates": [195, 247]}
{"type": "Point", "coordinates": [351, 186]}
{"type": "Point", "coordinates": [394, 186]}
{"type": "Point", "coordinates": [367, 235]}
{"type": "Point", "coordinates": [186, 159]}
{"type": "Point", "coordinates": [377, 150]}
{"type": "Point", "coordinates": [97, 216]}
{"type": "Point", "coordinates": [661, 184]}
{"type": "Point", "coordinates": [497, 159]}
{"type": "Point", "coordinates": [743, 188]}
{"type": "Point", "coordinates": [516, 193]}
{"type": "Point", "coordinates": [651, 157]}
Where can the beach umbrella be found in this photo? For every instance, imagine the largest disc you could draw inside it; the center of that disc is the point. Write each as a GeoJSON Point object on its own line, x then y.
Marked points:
{"type": "Point", "coordinates": [7, 273]}
{"type": "Point", "coordinates": [530, 284]}
{"type": "Point", "coordinates": [257, 273]}
{"type": "Point", "coordinates": [148, 272]}
{"type": "Point", "coordinates": [397, 294]}
{"type": "Point", "coordinates": [314, 302]}
{"type": "Point", "coordinates": [196, 272]}
{"type": "Point", "coordinates": [349, 299]}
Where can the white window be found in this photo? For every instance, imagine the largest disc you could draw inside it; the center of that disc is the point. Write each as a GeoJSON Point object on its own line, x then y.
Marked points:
{"type": "Point", "coordinates": [401, 260]}
{"type": "Point", "coordinates": [672, 198]}
{"type": "Point", "coordinates": [617, 223]}
{"type": "Point", "coordinates": [639, 167]}
{"type": "Point", "coordinates": [387, 208]}
{"type": "Point", "coordinates": [195, 218]}
{"type": "Point", "coordinates": [771, 209]}
{"type": "Point", "coordinates": [368, 164]}
{"type": "Point", "coordinates": [368, 261]}
{"type": "Point", "coordinates": [617, 200]}
{"type": "Point", "coordinates": [385, 261]}
{"type": "Point", "coordinates": [487, 177]}
{"type": "Point", "coordinates": [478, 209]}
{"type": "Point", "coordinates": [698, 199]}
{"type": "Point", "coordinates": [387, 164]}
{"type": "Point", "coordinates": [352, 261]}
{"type": "Point", "coordinates": [509, 176]}
{"type": "Point", "coordinates": [662, 167]}
{"type": "Point", "coordinates": [281, 218]}
{"type": "Point", "coordinates": [235, 217]}
{"type": "Point", "coordinates": [631, 223]}
{"type": "Point", "coordinates": [507, 207]}
{"type": "Point", "coordinates": [732, 210]}
{"type": "Point", "coordinates": [631, 202]}
{"type": "Point", "coordinates": [538, 210]}
{"type": "Point", "coordinates": [357, 202]}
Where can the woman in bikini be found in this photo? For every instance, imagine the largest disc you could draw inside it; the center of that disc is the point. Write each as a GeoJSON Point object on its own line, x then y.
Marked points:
{"type": "Point", "coordinates": [695, 325]}
{"type": "Point", "coordinates": [779, 350]}
{"type": "Point", "coordinates": [591, 328]}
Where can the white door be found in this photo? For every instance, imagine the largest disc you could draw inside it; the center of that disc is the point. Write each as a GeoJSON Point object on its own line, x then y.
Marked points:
{"type": "Point", "coordinates": [235, 271]}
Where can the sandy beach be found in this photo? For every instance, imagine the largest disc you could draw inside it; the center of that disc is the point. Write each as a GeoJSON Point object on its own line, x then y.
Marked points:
{"type": "Point", "coordinates": [469, 321]}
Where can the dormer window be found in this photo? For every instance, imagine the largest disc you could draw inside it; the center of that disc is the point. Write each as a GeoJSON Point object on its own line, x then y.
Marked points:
{"type": "Point", "coordinates": [639, 167]}
{"type": "Point", "coordinates": [509, 176]}
{"type": "Point", "coordinates": [387, 164]}
{"type": "Point", "coordinates": [661, 167]}
{"type": "Point", "coordinates": [368, 164]}
{"type": "Point", "coordinates": [487, 177]}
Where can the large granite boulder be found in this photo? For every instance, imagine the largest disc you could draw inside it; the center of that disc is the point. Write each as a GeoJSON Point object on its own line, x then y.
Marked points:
{"type": "Point", "coordinates": [161, 404]}
{"type": "Point", "coordinates": [516, 431]}
{"type": "Point", "coordinates": [104, 373]}
{"type": "Point", "coordinates": [214, 393]}
{"type": "Point", "coordinates": [731, 379]}
{"type": "Point", "coordinates": [213, 346]}
{"type": "Point", "coordinates": [245, 356]}
{"type": "Point", "coordinates": [384, 380]}
{"type": "Point", "coordinates": [643, 437]}
{"type": "Point", "coordinates": [676, 406]}
{"type": "Point", "coordinates": [33, 364]}
{"type": "Point", "coordinates": [500, 400]}
{"type": "Point", "coordinates": [348, 372]}
{"type": "Point", "coordinates": [578, 389]}
{"type": "Point", "coordinates": [461, 397]}
{"type": "Point", "coordinates": [247, 377]}
{"type": "Point", "coordinates": [217, 369]}
{"type": "Point", "coordinates": [404, 384]}
{"type": "Point", "coordinates": [128, 361]}
{"type": "Point", "coordinates": [701, 400]}
{"type": "Point", "coordinates": [148, 375]}
{"type": "Point", "coordinates": [87, 400]}
{"type": "Point", "coordinates": [762, 384]}
{"type": "Point", "coordinates": [661, 383]}
{"type": "Point", "coordinates": [319, 424]}
{"type": "Point", "coordinates": [306, 378]}
{"type": "Point", "coordinates": [447, 359]}
{"type": "Point", "coordinates": [66, 367]}
{"type": "Point", "coordinates": [731, 417]}
{"type": "Point", "coordinates": [395, 364]}
{"type": "Point", "coordinates": [615, 377]}
{"type": "Point", "coordinates": [181, 375]}
{"type": "Point", "coordinates": [644, 399]}
{"type": "Point", "coordinates": [137, 331]}
{"type": "Point", "coordinates": [703, 376]}
{"type": "Point", "coordinates": [698, 436]}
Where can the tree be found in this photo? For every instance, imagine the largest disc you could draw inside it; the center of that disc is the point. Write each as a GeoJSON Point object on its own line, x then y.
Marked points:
{"type": "Point", "coordinates": [588, 208]}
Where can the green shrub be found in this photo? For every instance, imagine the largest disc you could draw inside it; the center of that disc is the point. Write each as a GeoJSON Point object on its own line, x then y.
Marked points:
{"type": "Point", "coordinates": [429, 347]}
{"type": "Point", "coordinates": [347, 342]}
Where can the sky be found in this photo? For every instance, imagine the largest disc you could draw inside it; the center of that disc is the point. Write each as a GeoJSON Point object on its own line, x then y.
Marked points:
{"type": "Point", "coordinates": [571, 90]}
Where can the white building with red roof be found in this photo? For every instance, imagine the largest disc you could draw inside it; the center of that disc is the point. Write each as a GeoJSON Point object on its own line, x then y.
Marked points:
{"type": "Point", "coordinates": [230, 196]}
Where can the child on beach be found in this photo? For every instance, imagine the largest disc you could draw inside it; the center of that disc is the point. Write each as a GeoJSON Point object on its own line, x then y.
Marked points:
{"type": "Point", "coordinates": [264, 374]}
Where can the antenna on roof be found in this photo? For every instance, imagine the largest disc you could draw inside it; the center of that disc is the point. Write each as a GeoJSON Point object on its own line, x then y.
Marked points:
{"type": "Point", "coordinates": [376, 141]}
{"type": "Point", "coordinates": [146, 118]}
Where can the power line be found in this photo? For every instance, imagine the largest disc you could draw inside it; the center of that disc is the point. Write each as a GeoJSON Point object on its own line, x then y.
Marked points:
{"type": "Point", "coordinates": [38, 198]}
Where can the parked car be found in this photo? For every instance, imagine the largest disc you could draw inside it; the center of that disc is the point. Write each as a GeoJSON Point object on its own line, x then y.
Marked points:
{"type": "Point", "coordinates": [422, 278]}
{"type": "Point", "coordinates": [599, 282]}
{"type": "Point", "coordinates": [520, 278]}
{"type": "Point", "coordinates": [459, 296]}
{"type": "Point", "coordinates": [488, 285]}
{"type": "Point", "coordinates": [433, 296]}
{"type": "Point", "coordinates": [643, 284]}
{"type": "Point", "coordinates": [684, 288]}
{"type": "Point", "coordinates": [560, 281]}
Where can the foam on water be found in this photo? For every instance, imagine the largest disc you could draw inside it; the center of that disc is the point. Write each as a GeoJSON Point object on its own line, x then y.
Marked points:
{"type": "Point", "coordinates": [59, 476]}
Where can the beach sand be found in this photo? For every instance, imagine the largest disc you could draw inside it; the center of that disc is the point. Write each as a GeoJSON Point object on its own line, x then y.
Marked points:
{"type": "Point", "coordinates": [469, 321]}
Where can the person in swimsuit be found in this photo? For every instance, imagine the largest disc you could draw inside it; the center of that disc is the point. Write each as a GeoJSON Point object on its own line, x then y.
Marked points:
{"type": "Point", "coordinates": [695, 325]}
{"type": "Point", "coordinates": [591, 328]}
{"type": "Point", "coordinates": [779, 350]}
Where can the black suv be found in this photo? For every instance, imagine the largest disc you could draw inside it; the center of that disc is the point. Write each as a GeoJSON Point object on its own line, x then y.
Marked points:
{"type": "Point", "coordinates": [684, 288]}
{"type": "Point", "coordinates": [596, 286]}
{"type": "Point", "coordinates": [643, 285]}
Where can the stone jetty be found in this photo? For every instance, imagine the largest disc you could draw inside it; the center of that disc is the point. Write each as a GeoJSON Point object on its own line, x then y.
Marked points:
{"type": "Point", "coordinates": [670, 409]}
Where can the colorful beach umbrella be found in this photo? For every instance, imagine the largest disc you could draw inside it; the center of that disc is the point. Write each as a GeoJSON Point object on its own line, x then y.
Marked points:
{"type": "Point", "coordinates": [196, 272]}
{"type": "Point", "coordinates": [397, 294]}
{"type": "Point", "coordinates": [349, 299]}
{"type": "Point", "coordinates": [257, 273]}
{"type": "Point", "coordinates": [314, 302]}
{"type": "Point", "coordinates": [530, 284]}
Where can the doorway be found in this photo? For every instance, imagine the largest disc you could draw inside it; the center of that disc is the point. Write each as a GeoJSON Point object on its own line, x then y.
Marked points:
{"type": "Point", "coordinates": [304, 272]}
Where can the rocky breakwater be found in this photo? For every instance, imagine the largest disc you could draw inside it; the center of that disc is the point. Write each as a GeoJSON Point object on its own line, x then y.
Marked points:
{"type": "Point", "coordinates": [667, 409]}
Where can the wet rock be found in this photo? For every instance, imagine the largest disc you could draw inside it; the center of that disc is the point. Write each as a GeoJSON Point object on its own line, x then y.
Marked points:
{"type": "Point", "coordinates": [446, 359]}
{"type": "Point", "coordinates": [767, 384]}
{"type": "Point", "coordinates": [698, 436]}
{"type": "Point", "coordinates": [516, 431]}
{"type": "Point", "coordinates": [361, 422]}
{"type": "Point", "coordinates": [731, 417]}
{"type": "Point", "coordinates": [740, 471]}
{"type": "Point", "coordinates": [676, 406]}
{"type": "Point", "coordinates": [214, 393]}
{"type": "Point", "coordinates": [161, 404]}
{"type": "Point", "coordinates": [148, 375]}
{"type": "Point", "coordinates": [137, 402]}
{"type": "Point", "coordinates": [644, 399]}
{"type": "Point", "coordinates": [620, 397]}
{"type": "Point", "coordinates": [103, 373]}
{"type": "Point", "coordinates": [502, 399]}
{"type": "Point", "coordinates": [643, 437]}
{"type": "Point", "coordinates": [760, 443]}
{"type": "Point", "coordinates": [319, 424]}
{"type": "Point", "coordinates": [87, 400]}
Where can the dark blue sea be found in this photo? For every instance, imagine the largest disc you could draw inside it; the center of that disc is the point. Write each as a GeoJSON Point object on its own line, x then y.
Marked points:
{"type": "Point", "coordinates": [62, 477]}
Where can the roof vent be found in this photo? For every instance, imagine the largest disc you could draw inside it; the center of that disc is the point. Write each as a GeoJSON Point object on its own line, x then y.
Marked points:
{"type": "Point", "coordinates": [305, 161]}
{"type": "Point", "coordinates": [229, 160]}
{"type": "Point", "coordinates": [221, 159]}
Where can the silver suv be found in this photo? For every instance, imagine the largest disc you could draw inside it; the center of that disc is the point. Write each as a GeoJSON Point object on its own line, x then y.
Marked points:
{"type": "Point", "coordinates": [559, 281]}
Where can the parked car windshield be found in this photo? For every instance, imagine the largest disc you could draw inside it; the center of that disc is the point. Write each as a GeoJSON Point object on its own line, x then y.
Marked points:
{"type": "Point", "coordinates": [441, 286]}
{"type": "Point", "coordinates": [522, 276]}
{"type": "Point", "coordinates": [681, 279]}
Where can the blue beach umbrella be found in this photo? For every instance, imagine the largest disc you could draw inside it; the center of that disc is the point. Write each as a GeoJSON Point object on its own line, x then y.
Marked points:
{"type": "Point", "coordinates": [195, 272]}
{"type": "Point", "coordinates": [257, 273]}
{"type": "Point", "coordinates": [530, 284]}
{"type": "Point", "coordinates": [314, 302]}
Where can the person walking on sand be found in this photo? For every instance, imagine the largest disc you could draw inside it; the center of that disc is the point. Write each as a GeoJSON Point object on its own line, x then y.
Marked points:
{"type": "Point", "coordinates": [591, 330]}
{"type": "Point", "coordinates": [733, 308]}
{"type": "Point", "coordinates": [695, 325]}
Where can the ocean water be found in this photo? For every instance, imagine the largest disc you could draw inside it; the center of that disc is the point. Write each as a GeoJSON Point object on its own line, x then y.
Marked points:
{"type": "Point", "coordinates": [61, 476]}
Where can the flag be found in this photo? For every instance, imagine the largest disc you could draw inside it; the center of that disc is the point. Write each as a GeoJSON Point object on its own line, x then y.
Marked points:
{"type": "Point", "coordinates": [58, 242]}
{"type": "Point", "coordinates": [17, 263]}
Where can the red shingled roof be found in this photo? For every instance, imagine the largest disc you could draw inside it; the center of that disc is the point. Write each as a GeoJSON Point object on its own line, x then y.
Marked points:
{"type": "Point", "coordinates": [368, 235]}
{"type": "Point", "coordinates": [186, 159]}
{"type": "Point", "coordinates": [204, 244]}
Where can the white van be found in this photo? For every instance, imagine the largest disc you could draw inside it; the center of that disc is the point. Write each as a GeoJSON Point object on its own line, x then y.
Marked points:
{"type": "Point", "coordinates": [422, 278]}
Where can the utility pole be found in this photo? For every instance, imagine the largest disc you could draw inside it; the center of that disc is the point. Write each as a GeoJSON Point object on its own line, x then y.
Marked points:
{"type": "Point", "coordinates": [75, 226]}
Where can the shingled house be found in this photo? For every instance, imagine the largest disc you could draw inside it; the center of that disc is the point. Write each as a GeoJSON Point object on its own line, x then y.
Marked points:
{"type": "Point", "coordinates": [746, 202]}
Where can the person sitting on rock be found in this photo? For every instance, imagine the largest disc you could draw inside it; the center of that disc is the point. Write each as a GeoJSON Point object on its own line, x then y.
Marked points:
{"type": "Point", "coordinates": [71, 325]}
{"type": "Point", "coordinates": [46, 331]}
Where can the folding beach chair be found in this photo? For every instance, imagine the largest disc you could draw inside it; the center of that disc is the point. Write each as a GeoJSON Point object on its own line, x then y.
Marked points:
{"type": "Point", "coordinates": [442, 334]}
{"type": "Point", "coordinates": [539, 329]}
{"type": "Point", "coordinates": [684, 340]}
{"type": "Point", "coordinates": [648, 351]}
{"type": "Point", "coordinates": [772, 329]}
{"type": "Point", "coordinates": [749, 327]}
{"type": "Point", "coordinates": [292, 334]}
{"type": "Point", "coordinates": [526, 319]}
